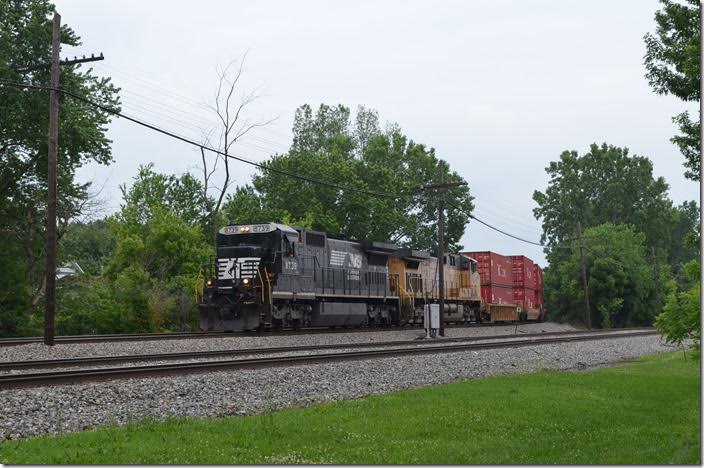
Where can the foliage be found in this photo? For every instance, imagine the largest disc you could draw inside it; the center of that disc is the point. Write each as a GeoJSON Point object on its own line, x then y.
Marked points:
{"type": "Point", "coordinates": [159, 254]}
{"type": "Point", "coordinates": [88, 305]}
{"type": "Point", "coordinates": [645, 412]}
{"type": "Point", "coordinates": [152, 191]}
{"type": "Point", "coordinates": [620, 281]}
{"type": "Point", "coordinates": [672, 63]}
{"type": "Point", "coordinates": [605, 185]}
{"type": "Point", "coordinates": [684, 245]}
{"type": "Point", "coordinates": [327, 147]}
{"type": "Point", "coordinates": [25, 38]}
{"type": "Point", "coordinates": [680, 319]}
{"type": "Point", "coordinates": [90, 244]}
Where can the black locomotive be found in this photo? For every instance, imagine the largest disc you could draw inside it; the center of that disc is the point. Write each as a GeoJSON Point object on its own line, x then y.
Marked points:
{"type": "Point", "coordinates": [272, 275]}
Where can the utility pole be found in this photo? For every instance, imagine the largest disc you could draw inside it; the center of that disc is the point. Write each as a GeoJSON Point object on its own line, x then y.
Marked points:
{"type": "Point", "coordinates": [441, 247]}
{"type": "Point", "coordinates": [54, 66]}
{"type": "Point", "coordinates": [587, 309]}
{"type": "Point", "coordinates": [440, 187]}
{"type": "Point", "coordinates": [50, 291]}
{"type": "Point", "coordinates": [656, 275]}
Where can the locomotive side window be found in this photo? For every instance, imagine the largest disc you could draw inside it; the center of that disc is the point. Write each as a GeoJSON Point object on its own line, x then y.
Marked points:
{"type": "Point", "coordinates": [289, 247]}
{"type": "Point", "coordinates": [452, 260]}
{"type": "Point", "coordinates": [315, 240]}
{"type": "Point", "coordinates": [377, 259]}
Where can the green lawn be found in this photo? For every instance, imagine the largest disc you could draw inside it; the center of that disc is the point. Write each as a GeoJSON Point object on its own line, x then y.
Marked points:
{"type": "Point", "coordinates": [646, 412]}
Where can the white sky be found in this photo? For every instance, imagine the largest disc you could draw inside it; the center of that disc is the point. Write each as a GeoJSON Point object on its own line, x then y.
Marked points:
{"type": "Point", "coordinates": [499, 88]}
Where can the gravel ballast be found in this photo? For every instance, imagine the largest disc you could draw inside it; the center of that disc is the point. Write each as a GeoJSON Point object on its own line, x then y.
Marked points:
{"type": "Point", "coordinates": [35, 351]}
{"type": "Point", "coordinates": [68, 408]}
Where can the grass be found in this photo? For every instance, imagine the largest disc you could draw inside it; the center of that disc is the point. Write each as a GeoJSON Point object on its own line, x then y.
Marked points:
{"type": "Point", "coordinates": [645, 412]}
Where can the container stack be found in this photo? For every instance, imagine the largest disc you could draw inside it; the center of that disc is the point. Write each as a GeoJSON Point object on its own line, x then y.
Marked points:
{"type": "Point", "coordinates": [539, 294]}
{"type": "Point", "coordinates": [524, 285]}
{"type": "Point", "coordinates": [495, 272]}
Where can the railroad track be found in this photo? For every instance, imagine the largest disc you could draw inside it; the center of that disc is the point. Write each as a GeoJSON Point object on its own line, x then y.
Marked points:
{"type": "Point", "coordinates": [387, 349]}
{"type": "Point", "coordinates": [72, 339]}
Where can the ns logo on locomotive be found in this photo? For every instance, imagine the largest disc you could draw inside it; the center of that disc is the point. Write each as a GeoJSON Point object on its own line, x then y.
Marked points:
{"type": "Point", "coordinates": [272, 275]}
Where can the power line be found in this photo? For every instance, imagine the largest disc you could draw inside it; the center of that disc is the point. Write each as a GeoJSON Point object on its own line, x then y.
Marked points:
{"type": "Point", "coordinates": [504, 232]}
{"type": "Point", "coordinates": [261, 166]}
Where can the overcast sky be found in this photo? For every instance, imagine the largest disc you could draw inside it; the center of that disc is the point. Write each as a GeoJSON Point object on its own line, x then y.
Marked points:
{"type": "Point", "coordinates": [498, 88]}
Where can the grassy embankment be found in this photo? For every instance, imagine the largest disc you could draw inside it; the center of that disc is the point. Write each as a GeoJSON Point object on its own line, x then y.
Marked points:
{"type": "Point", "coordinates": [645, 412]}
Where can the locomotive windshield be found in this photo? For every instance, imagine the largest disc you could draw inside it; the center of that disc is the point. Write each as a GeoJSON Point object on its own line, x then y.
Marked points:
{"type": "Point", "coordinates": [242, 249]}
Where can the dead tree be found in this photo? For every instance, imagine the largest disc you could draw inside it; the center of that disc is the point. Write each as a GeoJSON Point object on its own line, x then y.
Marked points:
{"type": "Point", "coordinates": [233, 126]}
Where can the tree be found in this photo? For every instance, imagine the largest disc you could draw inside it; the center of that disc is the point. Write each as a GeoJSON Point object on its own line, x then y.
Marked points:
{"type": "Point", "coordinates": [234, 127]}
{"type": "Point", "coordinates": [152, 191]}
{"type": "Point", "coordinates": [365, 159]}
{"type": "Point", "coordinates": [681, 317]}
{"type": "Point", "coordinates": [160, 250]}
{"type": "Point", "coordinates": [90, 244]}
{"type": "Point", "coordinates": [672, 62]}
{"type": "Point", "coordinates": [621, 290]}
{"type": "Point", "coordinates": [684, 245]}
{"type": "Point", "coordinates": [25, 38]}
{"type": "Point", "coordinates": [604, 185]}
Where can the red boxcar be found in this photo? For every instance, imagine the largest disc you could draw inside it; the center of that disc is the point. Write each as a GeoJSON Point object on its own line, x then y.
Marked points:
{"type": "Point", "coordinates": [494, 269]}
{"type": "Point", "coordinates": [497, 294]}
{"type": "Point", "coordinates": [523, 271]}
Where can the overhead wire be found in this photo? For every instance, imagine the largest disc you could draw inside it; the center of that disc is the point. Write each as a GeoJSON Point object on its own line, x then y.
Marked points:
{"type": "Point", "coordinates": [261, 166]}
{"type": "Point", "coordinates": [203, 112]}
{"type": "Point", "coordinates": [171, 134]}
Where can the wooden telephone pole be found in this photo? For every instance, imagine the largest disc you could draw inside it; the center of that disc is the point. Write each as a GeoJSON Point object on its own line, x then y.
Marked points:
{"type": "Point", "coordinates": [54, 66]}
{"type": "Point", "coordinates": [587, 309]}
{"type": "Point", "coordinates": [50, 290]}
{"type": "Point", "coordinates": [440, 187]}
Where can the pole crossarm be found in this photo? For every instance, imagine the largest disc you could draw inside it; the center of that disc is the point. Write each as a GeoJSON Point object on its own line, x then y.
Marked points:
{"type": "Point", "coordinates": [444, 185]}
{"type": "Point", "coordinates": [66, 61]}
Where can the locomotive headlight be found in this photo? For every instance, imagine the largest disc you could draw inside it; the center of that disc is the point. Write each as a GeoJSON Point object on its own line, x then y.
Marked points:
{"type": "Point", "coordinates": [245, 281]}
{"type": "Point", "coordinates": [210, 282]}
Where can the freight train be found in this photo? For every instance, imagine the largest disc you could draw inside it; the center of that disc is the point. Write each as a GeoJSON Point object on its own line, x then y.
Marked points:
{"type": "Point", "coordinates": [271, 275]}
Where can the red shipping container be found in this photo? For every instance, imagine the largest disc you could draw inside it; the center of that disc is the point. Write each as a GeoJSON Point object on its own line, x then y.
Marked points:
{"type": "Point", "coordinates": [523, 271]}
{"type": "Point", "coordinates": [524, 297]}
{"type": "Point", "coordinates": [539, 298]}
{"type": "Point", "coordinates": [538, 273]}
{"type": "Point", "coordinates": [497, 294]}
{"type": "Point", "coordinates": [494, 269]}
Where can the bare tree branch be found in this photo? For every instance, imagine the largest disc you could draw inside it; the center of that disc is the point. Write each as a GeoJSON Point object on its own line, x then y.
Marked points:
{"type": "Point", "coordinates": [232, 129]}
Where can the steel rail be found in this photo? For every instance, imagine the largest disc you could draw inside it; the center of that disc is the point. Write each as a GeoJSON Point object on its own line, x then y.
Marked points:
{"type": "Point", "coordinates": [73, 339]}
{"type": "Point", "coordinates": [82, 361]}
{"type": "Point", "coordinates": [56, 378]}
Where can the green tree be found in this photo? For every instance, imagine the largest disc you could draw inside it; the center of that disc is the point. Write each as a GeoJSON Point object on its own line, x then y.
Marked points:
{"type": "Point", "coordinates": [25, 38]}
{"type": "Point", "coordinates": [90, 244]}
{"type": "Point", "coordinates": [684, 245]}
{"type": "Point", "coordinates": [672, 62]}
{"type": "Point", "coordinates": [152, 191]}
{"type": "Point", "coordinates": [326, 146]}
{"type": "Point", "coordinates": [681, 316]}
{"type": "Point", "coordinates": [621, 290]}
{"type": "Point", "coordinates": [161, 247]}
{"type": "Point", "coordinates": [604, 185]}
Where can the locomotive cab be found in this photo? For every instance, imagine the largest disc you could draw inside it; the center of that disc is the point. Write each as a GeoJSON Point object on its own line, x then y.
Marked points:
{"type": "Point", "coordinates": [248, 259]}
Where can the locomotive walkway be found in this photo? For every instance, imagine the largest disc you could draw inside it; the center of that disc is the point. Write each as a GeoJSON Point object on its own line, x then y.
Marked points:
{"type": "Point", "coordinates": [385, 349]}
